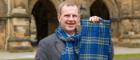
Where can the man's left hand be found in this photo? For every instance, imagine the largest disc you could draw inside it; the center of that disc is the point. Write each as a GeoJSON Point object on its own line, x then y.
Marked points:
{"type": "Point", "coordinates": [94, 19]}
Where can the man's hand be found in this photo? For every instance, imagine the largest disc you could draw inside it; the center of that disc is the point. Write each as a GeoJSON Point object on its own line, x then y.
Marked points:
{"type": "Point", "coordinates": [94, 19]}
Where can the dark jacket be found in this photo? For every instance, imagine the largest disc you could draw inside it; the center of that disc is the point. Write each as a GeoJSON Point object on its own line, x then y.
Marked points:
{"type": "Point", "coordinates": [49, 48]}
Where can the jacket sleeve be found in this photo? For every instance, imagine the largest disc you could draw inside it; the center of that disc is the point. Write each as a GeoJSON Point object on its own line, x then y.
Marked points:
{"type": "Point", "coordinates": [41, 53]}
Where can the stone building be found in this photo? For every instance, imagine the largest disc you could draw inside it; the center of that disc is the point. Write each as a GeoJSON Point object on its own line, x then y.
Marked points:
{"type": "Point", "coordinates": [35, 19]}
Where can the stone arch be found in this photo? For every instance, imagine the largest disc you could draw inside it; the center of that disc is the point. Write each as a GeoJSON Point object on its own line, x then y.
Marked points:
{"type": "Point", "coordinates": [99, 8]}
{"type": "Point", "coordinates": [44, 12]}
{"type": "Point", "coordinates": [112, 7]}
{"type": "Point", "coordinates": [114, 15]}
{"type": "Point", "coordinates": [114, 10]}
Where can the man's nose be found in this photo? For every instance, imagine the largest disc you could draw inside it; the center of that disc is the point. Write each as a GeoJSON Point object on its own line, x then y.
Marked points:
{"type": "Point", "coordinates": [71, 17]}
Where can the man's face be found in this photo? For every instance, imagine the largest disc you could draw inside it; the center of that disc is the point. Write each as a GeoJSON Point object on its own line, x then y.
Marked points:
{"type": "Point", "coordinates": [69, 18]}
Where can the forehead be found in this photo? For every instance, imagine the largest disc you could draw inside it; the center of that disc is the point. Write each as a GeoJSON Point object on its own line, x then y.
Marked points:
{"type": "Point", "coordinates": [69, 8]}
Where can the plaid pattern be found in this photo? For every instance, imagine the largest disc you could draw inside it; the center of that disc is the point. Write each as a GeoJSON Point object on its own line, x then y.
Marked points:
{"type": "Point", "coordinates": [69, 52]}
{"type": "Point", "coordinates": [95, 40]}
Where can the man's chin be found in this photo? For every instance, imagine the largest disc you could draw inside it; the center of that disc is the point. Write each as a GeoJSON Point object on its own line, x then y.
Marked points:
{"type": "Point", "coordinates": [71, 29]}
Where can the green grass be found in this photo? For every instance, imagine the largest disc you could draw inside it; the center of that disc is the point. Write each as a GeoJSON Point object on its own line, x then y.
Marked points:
{"type": "Point", "coordinates": [126, 55]}
{"type": "Point", "coordinates": [115, 56]}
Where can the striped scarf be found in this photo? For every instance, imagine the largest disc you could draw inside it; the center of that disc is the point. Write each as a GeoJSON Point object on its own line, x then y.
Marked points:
{"type": "Point", "coordinates": [95, 41]}
{"type": "Point", "coordinates": [69, 52]}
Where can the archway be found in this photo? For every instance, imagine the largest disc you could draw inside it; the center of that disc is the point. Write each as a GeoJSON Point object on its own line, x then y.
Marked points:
{"type": "Point", "coordinates": [98, 8]}
{"type": "Point", "coordinates": [45, 16]}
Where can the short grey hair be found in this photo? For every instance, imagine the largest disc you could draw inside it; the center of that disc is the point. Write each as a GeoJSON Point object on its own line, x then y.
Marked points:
{"type": "Point", "coordinates": [66, 3]}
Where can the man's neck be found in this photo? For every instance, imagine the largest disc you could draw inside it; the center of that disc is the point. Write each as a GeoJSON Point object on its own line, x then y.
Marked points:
{"type": "Point", "coordinates": [70, 33]}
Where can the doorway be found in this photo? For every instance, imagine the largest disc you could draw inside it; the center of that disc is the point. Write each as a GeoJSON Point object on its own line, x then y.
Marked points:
{"type": "Point", "coordinates": [99, 8]}
{"type": "Point", "coordinates": [45, 16]}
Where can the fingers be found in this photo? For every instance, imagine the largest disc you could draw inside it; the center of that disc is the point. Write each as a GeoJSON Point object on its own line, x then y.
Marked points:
{"type": "Point", "coordinates": [94, 19]}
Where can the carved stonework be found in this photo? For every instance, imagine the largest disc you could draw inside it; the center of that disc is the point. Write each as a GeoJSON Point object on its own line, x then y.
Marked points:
{"type": "Point", "coordinates": [125, 28]}
{"type": "Point", "coordinates": [3, 8]}
{"type": "Point", "coordinates": [126, 8]}
{"type": "Point", "coordinates": [130, 28]}
{"type": "Point", "coordinates": [2, 33]}
{"type": "Point", "coordinates": [136, 7]}
{"type": "Point", "coordinates": [19, 7]}
{"type": "Point", "coordinates": [20, 27]}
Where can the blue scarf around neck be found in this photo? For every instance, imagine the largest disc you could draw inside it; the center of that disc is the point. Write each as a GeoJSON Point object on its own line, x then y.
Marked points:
{"type": "Point", "coordinates": [71, 44]}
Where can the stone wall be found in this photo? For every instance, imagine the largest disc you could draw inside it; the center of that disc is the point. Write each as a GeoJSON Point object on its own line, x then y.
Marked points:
{"type": "Point", "coordinates": [124, 14]}
{"type": "Point", "coordinates": [3, 9]}
{"type": "Point", "coordinates": [3, 13]}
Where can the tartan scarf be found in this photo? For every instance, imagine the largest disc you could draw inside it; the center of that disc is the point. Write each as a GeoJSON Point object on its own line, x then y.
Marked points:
{"type": "Point", "coordinates": [95, 41]}
{"type": "Point", "coordinates": [70, 49]}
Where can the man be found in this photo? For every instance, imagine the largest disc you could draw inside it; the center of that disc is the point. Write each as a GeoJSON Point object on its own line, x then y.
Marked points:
{"type": "Point", "coordinates": [61, 45]}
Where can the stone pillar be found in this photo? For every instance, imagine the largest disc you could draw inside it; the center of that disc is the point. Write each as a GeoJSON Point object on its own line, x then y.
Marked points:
{"type": "Point", "coordinates": [19, 25]}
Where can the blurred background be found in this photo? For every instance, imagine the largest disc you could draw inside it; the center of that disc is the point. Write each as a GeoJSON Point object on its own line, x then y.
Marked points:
{"type": "Point", "coordinates": [23, 23]}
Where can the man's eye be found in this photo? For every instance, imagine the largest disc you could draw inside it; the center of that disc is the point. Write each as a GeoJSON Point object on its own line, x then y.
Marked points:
{"type": "Point", "coordinates": [74, 15]}
{"type": "Point", "coordinates": [67, 15]}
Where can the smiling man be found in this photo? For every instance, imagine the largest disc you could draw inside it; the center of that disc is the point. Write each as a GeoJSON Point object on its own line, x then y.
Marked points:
{"type": "Point", "coordinates": [61, 45]}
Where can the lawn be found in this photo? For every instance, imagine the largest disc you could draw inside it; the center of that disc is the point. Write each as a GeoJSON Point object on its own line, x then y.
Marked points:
{"type": "Point", "coordinates": [115, 56]}
{"type": "Point", "coordinates": [126, 55]}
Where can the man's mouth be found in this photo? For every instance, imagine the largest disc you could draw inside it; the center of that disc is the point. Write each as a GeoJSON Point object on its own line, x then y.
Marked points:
{"type": "Point", "coordinates": [70, 23]}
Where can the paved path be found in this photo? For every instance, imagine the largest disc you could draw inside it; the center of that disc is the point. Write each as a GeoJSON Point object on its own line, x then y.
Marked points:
{"type": "Point", "coordinates": [10, 55]}
{"type": "Point", "coordinates": [125, 50]}
{"type": "Point", "coordinates": [117, 50]}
